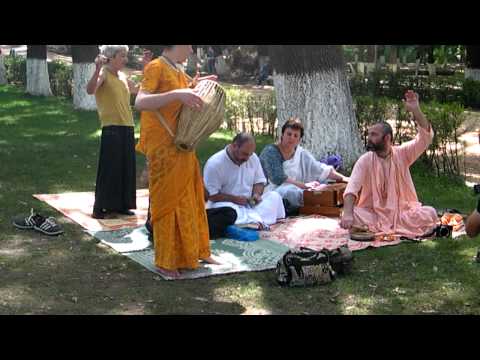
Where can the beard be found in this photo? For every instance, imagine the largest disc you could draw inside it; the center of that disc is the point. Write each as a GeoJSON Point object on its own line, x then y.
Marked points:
{"type": "Point", "coordinates": [375, 147]}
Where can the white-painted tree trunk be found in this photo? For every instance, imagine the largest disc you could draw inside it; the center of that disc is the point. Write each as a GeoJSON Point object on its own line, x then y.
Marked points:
{"type": "Point", "coordinates": [3, 73]}
{"type": "Point", "coordinates": [323, 103]}
{"type": "Point", "coordinates": [38, 81]}
{"type": "Point", "coordinates": [473, 74]}
{"type": "Point", "coordinates": [82, 72]}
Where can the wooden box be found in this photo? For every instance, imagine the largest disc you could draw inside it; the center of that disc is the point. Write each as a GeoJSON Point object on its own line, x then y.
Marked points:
{"type": "Point", "coordinates": [328, 202]}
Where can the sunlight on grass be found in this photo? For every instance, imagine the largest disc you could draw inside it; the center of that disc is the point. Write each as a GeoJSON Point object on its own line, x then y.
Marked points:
{"type": "Point", "coordinates": [16, 103]}
{"type": "Point", "coordinates": [96, 134]}
{"type": "Point", "coordinates": [16, 294]}
{"type": "Point", "coordinates": [222, 135]}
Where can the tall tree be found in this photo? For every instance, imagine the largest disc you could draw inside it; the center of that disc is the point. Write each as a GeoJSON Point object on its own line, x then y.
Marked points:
{"type": "Point", "coordinates": [3, 75]}
{"type": "Point", "coordinates": [38, 80]}
{"type": "Point", "coordinates": [83, 57]}
{"type": "Point", "coordinates": [310, 83]}
{"type": "Point", "coordinates": [472, 66]}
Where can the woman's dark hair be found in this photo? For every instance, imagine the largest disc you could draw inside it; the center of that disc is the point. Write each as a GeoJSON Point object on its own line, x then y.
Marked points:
{"type": "Point", "coordinates": [294, 124]}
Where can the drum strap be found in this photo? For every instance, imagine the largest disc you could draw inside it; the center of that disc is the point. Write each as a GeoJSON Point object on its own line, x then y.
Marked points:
{"type": "Point", "coordinates": [164, 123]}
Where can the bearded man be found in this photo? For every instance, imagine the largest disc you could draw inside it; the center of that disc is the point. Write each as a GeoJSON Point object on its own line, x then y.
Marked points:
{"type": "Point", "coordinates": [380, 195]}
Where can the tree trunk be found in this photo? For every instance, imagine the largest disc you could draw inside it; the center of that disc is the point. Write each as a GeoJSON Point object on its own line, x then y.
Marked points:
{"type": "Point", "coordinates": [83, 57]}
{"type": "Point", "coordinates": [472, 68]}
{"type": "Point", "coordinates": [393, 58]}
{"type": "Point", "coordinates": [310, 83]}
{"type": "Point", "coordinates": [3, 73]}
{"type": "Point", "coordinates": [38, 81]}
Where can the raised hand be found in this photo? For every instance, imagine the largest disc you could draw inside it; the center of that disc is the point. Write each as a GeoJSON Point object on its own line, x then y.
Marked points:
{"type": "Point", "coordinates": [411, 101]}
{"type": "Point", "coordinates": [100, 60]}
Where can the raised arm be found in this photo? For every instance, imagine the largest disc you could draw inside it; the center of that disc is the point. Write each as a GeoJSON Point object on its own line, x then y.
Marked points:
{"type": "Point", "coordinates": [98, 77]}
{"type": "Point", "coordinates": [147, 102]}
{"type": "Point", "coordinates": [412, 105]}
{"type": "Point", "coordinates": [413, 149]}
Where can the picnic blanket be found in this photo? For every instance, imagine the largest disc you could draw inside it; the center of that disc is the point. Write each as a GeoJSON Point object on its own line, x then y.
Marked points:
{"type": "Point", "coordinates": [128, 236]}
{"type": "Point", "coordinates": [79, 206]}
{"type": "Point", "coordinates": [317, 232]}
{"type": "Point", "coordinates": [234, 256]}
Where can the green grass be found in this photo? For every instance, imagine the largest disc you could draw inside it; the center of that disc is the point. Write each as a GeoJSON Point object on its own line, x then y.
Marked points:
{"type": "Point", "coordinates": [47, 147]}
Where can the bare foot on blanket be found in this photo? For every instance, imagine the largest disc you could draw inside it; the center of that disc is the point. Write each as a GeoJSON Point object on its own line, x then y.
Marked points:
{"type": "Point", "coordinates": [170, 273]}
{"type": "Point", "coordinates": [210, 260]}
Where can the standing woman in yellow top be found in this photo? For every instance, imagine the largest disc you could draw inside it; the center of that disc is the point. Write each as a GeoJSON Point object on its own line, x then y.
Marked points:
{"type": "Point", "coordinates": [115, 190]}
{"type": "Point", "coordinates": [178, 214]}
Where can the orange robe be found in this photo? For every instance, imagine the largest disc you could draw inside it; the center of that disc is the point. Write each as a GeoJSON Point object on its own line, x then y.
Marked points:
{"type": "Point", "coordinates": [178, 212]}
{"type": "Point", "coordinates": [386, 198]}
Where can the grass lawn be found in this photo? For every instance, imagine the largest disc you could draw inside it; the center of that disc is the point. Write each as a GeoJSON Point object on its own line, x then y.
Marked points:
{"type": "Point", "coordinates": [47, 147]}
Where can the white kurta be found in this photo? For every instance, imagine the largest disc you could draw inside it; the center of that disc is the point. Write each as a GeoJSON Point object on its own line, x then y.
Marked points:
{"type": "Point", "coordinates": [302, 167]}
{"type": "Point", "coordinates": [222, 175]}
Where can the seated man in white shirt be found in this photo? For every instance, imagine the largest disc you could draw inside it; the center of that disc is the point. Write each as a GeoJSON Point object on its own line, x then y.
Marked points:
{"type": "Point", "coordinates": [234, 178]}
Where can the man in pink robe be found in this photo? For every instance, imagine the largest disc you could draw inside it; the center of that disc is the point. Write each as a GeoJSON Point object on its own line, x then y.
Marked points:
{"type": "Point", "coordinates": [380, 194]}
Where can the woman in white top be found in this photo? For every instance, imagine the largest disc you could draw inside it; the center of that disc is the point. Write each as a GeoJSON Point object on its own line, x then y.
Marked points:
{"type": "Point", "coordinates": [289, 167]}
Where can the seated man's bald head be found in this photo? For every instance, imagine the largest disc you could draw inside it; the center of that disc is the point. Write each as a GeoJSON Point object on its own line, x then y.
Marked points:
{"type": "Point", "coordinates": [243, 138]}
{"type": "Point", "coordinates": [242, 147]}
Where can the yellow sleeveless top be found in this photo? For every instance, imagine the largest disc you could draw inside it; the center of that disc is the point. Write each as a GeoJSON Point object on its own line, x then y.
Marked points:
{"type": "Point", "coordinates": [113, 101]}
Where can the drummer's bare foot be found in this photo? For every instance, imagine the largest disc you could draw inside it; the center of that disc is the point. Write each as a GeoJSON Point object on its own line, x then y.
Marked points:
{"type": "Point", "coordinates": [170, 273]}
{"type": "Point", "coordinates": [210, 260]}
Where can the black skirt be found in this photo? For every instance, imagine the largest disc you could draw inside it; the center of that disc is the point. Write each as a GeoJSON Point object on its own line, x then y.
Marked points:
{"type": "Point", "coordinates": [116, 175]}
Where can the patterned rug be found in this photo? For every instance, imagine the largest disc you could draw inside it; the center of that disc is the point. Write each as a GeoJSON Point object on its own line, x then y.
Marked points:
{"type": "Point", "coordinates": [78, 207]}
{"type": "Point", "coordinates": [128, 236]}
{"type": "Point", "coordinates": [234, 256]}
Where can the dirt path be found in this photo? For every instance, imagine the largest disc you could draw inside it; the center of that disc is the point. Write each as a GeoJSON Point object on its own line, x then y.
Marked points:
{"type": "Point", "coordinates": [470, 135]}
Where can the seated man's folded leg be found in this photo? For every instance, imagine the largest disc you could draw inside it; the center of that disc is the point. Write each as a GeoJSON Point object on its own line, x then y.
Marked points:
{"type": "Point", "coordinates": [219, 219]}
{"type": "Point", "coordinates": [271, 208]}
{"type": "Point", "coordinates": [363, 217]}
{"type": "Point", "coordinates": [418, 221]}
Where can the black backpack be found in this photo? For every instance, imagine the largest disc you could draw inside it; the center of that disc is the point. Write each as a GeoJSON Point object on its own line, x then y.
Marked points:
{"type": "Point", "coordinates": [304, 267]}
{"type": "Point", "coordinates": [307, 267]}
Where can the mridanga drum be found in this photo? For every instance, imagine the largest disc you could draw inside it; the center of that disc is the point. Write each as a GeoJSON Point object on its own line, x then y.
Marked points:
{"type": "Point", "coordinates": [195, 126]}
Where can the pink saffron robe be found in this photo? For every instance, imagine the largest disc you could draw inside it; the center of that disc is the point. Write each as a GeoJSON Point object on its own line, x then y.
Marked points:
{"type": "Point", "coordinates": [386, 198]}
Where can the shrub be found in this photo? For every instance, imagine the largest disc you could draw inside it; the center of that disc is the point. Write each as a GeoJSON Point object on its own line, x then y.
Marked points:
{"type": "Point", "coordinates": [61, 78]}
{"type": "Point", "coordinates": [16, 69]}
{"type": "Point", "coordinates": [246, 111]}
{"type": "Point", "coordinates": [471, 93]}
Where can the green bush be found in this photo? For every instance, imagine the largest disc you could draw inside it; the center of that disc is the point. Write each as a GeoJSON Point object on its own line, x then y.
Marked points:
{"type": "Point", "coordinates": [471, 93]}
{"type": "Point", "coordinates": [370, 110]}
{"type": "Point", "coordinates": [446, 152]}
{"type": "Point", "coordinates": [16, 70]}
{"type": "Point", "coordinates": [394, 85]}
{"type": "Point", "coordinates": [61, 78]}
{"type": "Point", "coordinates": [246, 111]}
